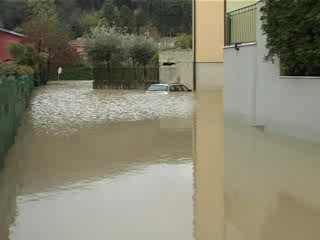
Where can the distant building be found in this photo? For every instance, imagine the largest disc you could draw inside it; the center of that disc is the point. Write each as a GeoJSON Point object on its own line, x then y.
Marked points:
{"type": "Point", "coordinates": [6, 38]}
{"type": "Point", "coordinates": [79, 45]}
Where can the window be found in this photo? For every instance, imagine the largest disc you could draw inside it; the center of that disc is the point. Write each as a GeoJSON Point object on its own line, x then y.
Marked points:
{"type": "Point", "coordinates": [158, 88]}
{"type": "Point", "coordinates": [184, 88]}
{"type": "Point", "coordinates": [175, 88]}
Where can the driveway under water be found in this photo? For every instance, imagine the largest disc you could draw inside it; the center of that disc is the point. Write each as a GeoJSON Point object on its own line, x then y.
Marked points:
{"type": "Point", "coordinates": [100, 164]}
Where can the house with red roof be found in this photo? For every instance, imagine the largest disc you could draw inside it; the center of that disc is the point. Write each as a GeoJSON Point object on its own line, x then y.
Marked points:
{"type": "Point", "coordinates": [8, 37]}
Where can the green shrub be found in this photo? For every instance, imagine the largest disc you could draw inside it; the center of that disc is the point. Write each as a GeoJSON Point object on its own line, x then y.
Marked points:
{"type": "Point", "coordinates": [113, 46]}
{"type": "Point", "coordinates": [143, 50]}
{"type": "Point", "coordinates": [293, 35]}
{"type": "Point", "coordinates": [13, 69]}
{"type": "Point", "coordinates": [105, 45]}
{"type": "Point", "coordinates": [184, 41]}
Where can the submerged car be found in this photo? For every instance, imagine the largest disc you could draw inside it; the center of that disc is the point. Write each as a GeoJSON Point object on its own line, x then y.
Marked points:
{"type": "Point", "coordinates": [167, 88]}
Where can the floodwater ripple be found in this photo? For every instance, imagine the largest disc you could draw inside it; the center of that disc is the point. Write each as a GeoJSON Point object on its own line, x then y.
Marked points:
{"type": "Point", "coordinates": [61, 107]}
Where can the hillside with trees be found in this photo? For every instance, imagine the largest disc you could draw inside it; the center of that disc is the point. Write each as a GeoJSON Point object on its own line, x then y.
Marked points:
{"type": "Point", "coordinates": [158, 17]}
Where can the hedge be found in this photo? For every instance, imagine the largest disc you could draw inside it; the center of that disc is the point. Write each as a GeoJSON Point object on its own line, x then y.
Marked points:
{"type": "Point", "coordinates": [73, 72]}
{"type": "Point", "coordinates": [15, 94]}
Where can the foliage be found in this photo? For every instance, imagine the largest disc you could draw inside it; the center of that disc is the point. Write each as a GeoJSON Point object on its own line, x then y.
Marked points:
{"type": "Point", "coordinates": [105, 45]}
{"type": "Point", "coordinates": [114, 46]}
{"type": "Point", "coordinates": [13, 69]}
{"type": "Point", "coordinates": [141, 19]}
{"type": "Point", "coordinates": [25, 54]}
{"type": "Point", "coordinates": [127, 19]}
{"type": "Point", "coordinates": [12, 14]}
{"type": "Point", "coordinates": [15, 93]}
{"type": "Point", "coordinates": [47, 33]}
{"type": "Point", "coordinates": [90, 20]}
{"type": "Point", "coordinates": [184, 41]}
{"type": "Point", "coordinates": [293, 34]}
{"type": "Point", "coordinates": [111, 13]}
{"type": "Point", "coordinates": [143, 50]}
{"type": "Point", "coordinates": [151, 31]}
{"type": "Point", "coordinates": [169, 17]}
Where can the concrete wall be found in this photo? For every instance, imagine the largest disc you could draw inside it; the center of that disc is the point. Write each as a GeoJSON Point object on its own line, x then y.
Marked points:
{"type": "Point", "coordinates": [181, 72]}
{"type": "Point", "coordinates": [176, 56]}
{"type": "Point", "coordinates": [255, 93]}
{"type": "Point", "coordinates": [292, 107]}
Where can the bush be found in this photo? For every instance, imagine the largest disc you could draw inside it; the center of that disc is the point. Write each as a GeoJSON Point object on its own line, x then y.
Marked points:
{"type": "Point", "coordinates": [115, 47]}
{"type": "Point", "coordinates": [105, 45]}
{"type": "Point", "coordinates": [13, 69]}
{"type": "Point", "coordinates": [143, 50]}
{"type": "Point", "coordinates": [293, 35]}
{"type": "Point", "coordinates": [184, 41]}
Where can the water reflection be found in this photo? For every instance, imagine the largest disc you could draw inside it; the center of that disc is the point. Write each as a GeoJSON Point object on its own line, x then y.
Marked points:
{"type": "Point", "coordinates": [208, 173]}
{"type": "Point", "coordinates": [270, 185]}
{"type": "Point", "coordinates": [65, 107]}
{"type": "Point", "coordinates": [156, 176]}
{"type": "Point", "coordinates": [89, 172]}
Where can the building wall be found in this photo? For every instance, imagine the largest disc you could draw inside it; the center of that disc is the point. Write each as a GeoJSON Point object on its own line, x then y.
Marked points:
{"type": "Point", "coordinates": [240, 76]}
{"type": "Point", "coordinates": [181, 72]}
{"type": "Point", "coordinates": [256, 93]}
{"type": "Point", "coordinates": [209, 34]}
{"type": "Point", "coordinates": [210, 76]}
{"type": "Point", "coordinates": [209, 30]}
{"type": "Point", "coordinates": [5, 41]}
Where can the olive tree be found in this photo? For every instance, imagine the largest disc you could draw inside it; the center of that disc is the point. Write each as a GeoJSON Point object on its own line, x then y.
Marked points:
{"type": "Point", "coordinates": [106, 45]}
{"type": "Point", "coordinates": [143, 50]}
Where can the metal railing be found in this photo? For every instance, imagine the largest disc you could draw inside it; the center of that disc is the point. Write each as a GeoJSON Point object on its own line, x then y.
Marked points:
{"type": "Point", "coordinates": [241, 25]}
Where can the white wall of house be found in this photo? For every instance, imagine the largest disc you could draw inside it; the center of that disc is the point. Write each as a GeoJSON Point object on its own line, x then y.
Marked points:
{"type": "Point", "coordinates": [239, 81]}
{"type": "Point", "coordinates": [255, 92]}
{"type": "Point", "coordinates": [292, 106]}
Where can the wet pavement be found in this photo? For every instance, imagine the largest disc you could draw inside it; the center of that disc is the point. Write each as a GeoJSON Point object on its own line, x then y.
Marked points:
{"type": "Point", "coordinates": [125, 165]}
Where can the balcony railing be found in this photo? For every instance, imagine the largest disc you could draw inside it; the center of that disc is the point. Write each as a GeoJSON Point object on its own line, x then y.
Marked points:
{"type": "Point", "coordinates": [241, 25]}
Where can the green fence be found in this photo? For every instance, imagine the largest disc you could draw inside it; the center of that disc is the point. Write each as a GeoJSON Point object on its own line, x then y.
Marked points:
{"type": "Point", "coordinates": [241, 25]}
{"type": "Point", "coordinates": [14, 97]}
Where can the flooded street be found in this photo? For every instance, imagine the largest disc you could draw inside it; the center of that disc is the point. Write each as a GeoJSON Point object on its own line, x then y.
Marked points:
{"type": "Point", "coordinates": [133, 166]}
{"type": "Point", "coordinates": [271, 186]}
{"type": "Point", "coordinates": [103, 164]}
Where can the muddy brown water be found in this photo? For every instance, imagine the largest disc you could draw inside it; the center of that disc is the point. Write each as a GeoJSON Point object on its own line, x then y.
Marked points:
{"type": "Point", "coordinates": [125, 165]}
